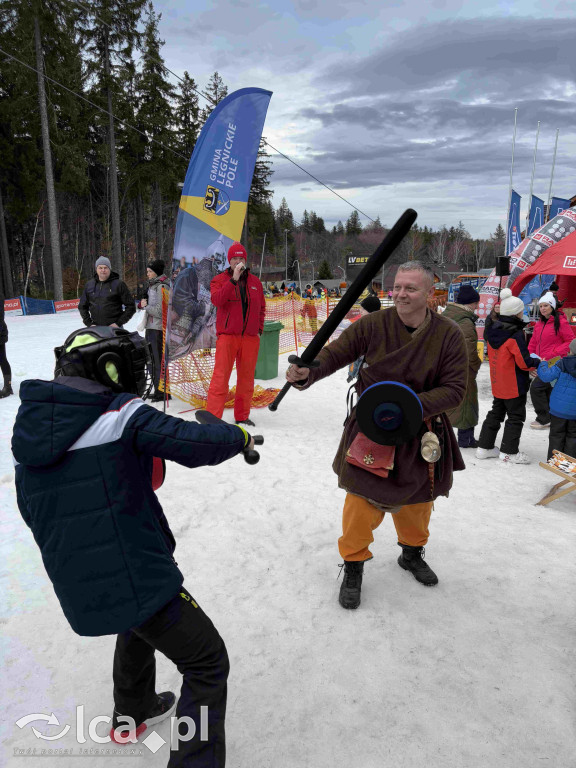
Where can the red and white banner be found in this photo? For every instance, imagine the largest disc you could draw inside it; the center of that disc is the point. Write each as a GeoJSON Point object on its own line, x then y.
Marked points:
{"type": "Point", "coordinates": [12, 307]}
{"type": "Point", "coordinates": [63, 306]}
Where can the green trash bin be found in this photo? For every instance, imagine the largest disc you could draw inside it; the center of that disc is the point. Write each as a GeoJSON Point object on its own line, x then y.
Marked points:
{"type": "Point", "coordinates": [267, 363]}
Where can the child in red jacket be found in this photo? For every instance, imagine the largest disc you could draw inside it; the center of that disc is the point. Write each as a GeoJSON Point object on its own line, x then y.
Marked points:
{"type": "Point", "coordinates": [510, 362]}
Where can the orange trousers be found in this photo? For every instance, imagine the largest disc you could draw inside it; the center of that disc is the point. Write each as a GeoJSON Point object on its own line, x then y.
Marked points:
{"type": "Point", "coordinates": [242, 350]}
{"type": "Point", "coordinates": [360, 518]}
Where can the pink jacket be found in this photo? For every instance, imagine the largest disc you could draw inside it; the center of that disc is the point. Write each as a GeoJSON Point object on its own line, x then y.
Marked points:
{"type": "Point", "coordinates": [546, 343]}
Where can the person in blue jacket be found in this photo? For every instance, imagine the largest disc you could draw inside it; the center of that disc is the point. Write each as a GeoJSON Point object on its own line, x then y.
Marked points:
{"type": "Point", "coordinates": [562, 402]}
{"type": "Point", "coordinates": [87, 451]}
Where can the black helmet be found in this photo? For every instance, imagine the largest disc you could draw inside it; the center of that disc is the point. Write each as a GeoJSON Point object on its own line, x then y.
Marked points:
{"type": "Point", "coordinates": [112, 356]}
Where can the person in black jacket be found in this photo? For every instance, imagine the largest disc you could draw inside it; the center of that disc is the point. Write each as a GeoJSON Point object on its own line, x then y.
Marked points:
{"type": "Point", "coordinates": [106, 299]}
{"type": "Point", "coordinates": [89, 455]}
{"type": "Point", "coordinates": [4, 364]}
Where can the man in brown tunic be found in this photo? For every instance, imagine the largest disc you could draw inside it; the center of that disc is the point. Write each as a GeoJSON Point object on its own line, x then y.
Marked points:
{"type": "Point", "coordinates": [410, 344]}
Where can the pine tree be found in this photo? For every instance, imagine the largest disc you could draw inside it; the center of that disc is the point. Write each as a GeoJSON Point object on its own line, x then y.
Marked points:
{"type": "Point", "coordinates": [284, 217]}
{"type": "Point", "coordinates": [215, 91]}
{"type": "Point", "coordinates": [187, 116]}
{"type": "Point", "coordinates": [317, 223]}
{"type": "Point", "coordinates": [155, 112]}
{"type": "Point", "coordinates": [353, 225]}
{"type": "Point", "coordinates": [324, 272]}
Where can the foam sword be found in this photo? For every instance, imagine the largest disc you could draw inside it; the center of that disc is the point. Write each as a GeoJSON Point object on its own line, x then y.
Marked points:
{"type": "Point", "coordinates": [369, 271]}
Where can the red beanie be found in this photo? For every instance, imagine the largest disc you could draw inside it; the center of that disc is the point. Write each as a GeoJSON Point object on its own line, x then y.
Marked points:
{"type": "Point", "coordinates": [238, 250]}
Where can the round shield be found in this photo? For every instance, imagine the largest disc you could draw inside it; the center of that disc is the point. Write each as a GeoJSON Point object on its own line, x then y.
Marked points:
{"type": "Point", "coordinates": [389, 413]}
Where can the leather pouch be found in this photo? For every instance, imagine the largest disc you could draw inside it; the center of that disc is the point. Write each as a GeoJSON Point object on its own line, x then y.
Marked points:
{"type": "Point", "coordinates": [374, 458]}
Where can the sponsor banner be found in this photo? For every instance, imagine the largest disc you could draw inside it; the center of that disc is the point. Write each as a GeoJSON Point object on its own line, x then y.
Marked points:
{"type": "Point", "coordinates": [536, 216]}
{"type": "Point", "coordinates": [354, 265]}
{"type": "Point", "coordinates": [570, 262]}
{"type": "Point", "coordinates": [64, 306]}
{"type": "Point", "coordinates": [557, 206]}
{"type": "Point", "coordinates": [13, 307]}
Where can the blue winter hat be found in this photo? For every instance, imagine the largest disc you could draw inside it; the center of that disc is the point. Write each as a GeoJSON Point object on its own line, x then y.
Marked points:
{"type": "Point", "coordinates": [467, 295]}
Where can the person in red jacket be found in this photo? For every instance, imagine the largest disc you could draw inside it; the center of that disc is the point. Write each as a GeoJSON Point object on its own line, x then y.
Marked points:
{"type": "Point", "coordinates": [510, 362]}
{"type": "Point", "coordinates": [238, 296]}
{"type": "Point", "coordinates": [551, 338]}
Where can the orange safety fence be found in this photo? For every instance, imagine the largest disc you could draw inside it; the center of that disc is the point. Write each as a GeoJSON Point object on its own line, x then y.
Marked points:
{"type": "Point", "coordinates": [189, 376]}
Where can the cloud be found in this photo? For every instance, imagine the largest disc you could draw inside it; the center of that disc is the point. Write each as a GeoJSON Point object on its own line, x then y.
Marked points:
{"type": "Point", "coordinates": [473, 56]}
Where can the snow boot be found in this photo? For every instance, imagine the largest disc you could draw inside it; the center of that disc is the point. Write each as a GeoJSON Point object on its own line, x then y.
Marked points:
{"type": "Point", "coordinates": [514, 458]}
{"type": "Point", "coordinates": [246, 422]}
{"type": "Point", "coordinates": [412, 559]}
{"type": "Point", "coordinates": [466, 438]}
{"type": "Point", "coordinates": [164, 707]}
{"type": "Point", "coordinates": [7, 387]}
{"type": "Point", "coordinates": [351, 587]}
{"type": "Point", "coordinates": [487, 453]}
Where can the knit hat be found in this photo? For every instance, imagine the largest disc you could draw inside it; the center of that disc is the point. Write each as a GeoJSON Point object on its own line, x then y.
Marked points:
{"type": "Point", "coordinates": [573, 347]}
{"type": "Point", "coordinates": [237, 250]}
{"type": "Point", "coordinates": [548, 298]}
{"type": "Point", "coordinates": [553, 287]}
{"type": "Point", "coordinates": [467, 295]}
{"type": "Point", "coordinates": [510, 305]}
{"type": "Point", "coordinates": [157, 266]}
{"type": "Point", "coordinates": [371, 304]}
{"type": "Point", "coordinates": [103, 261]}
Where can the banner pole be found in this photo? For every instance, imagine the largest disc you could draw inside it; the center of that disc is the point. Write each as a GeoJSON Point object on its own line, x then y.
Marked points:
{"type": "Point", "coordinates": [552, 175]}
{"type": "Point", "coordinates": [264, 246]}
{"type": "Point", "coordinates": [532, 181]}
{"type": "Point", "coordinates": [510, 188]}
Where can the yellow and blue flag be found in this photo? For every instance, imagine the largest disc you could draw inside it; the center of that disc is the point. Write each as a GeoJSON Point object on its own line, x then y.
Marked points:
{"type": "Point", "coordinates": [211, 215]}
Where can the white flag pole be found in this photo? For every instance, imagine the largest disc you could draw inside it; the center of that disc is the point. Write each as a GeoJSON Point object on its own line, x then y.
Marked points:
{"type": "Point", "coordinates": [532, 180]}
{"type": "Point", "coordinates": [552, 174]}
{"type": "Point", "coordinates": [262, 257]}
{"type": "Point", "coordinates": [510, 189]}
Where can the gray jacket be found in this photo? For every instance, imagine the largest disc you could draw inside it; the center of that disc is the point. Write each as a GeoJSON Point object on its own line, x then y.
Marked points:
{"type": "Point", "coordinates": [154, 307]}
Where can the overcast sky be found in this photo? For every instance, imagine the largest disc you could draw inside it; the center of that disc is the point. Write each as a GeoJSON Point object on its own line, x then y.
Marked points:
{"type": "Point", "coordinates": [397, 103]}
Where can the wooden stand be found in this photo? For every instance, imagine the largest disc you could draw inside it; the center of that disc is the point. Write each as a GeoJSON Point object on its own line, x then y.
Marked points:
{"type": "Point", "coordinates": [568, 479]}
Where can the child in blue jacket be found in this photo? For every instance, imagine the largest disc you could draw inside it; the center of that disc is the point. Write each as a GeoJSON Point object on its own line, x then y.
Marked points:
{"type": "Point", "coordinates": [85, 447]}
{"type": "Point", "coordinates": [562, 402]}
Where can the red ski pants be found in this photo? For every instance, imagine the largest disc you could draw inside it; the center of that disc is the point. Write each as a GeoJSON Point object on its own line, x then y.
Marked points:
{"type": "Point", "coordinates": [360, 518]}
{"type": "Point", "coordinates": [242, 350]}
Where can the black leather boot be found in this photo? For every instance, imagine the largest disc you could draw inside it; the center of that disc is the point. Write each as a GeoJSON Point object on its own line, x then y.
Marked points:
{"type": "Point", "coordinates": [7, 387]}
{"type": "Point", "coordinates": [351, 584]}
{"type": "Point", "coordinates": [412, 559]}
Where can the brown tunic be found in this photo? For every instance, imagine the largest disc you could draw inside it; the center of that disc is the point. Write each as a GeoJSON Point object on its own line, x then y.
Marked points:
{"type": "Point", "coordinates": [433, 362]}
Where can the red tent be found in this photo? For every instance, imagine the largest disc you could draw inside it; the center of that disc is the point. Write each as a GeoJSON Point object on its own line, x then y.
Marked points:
{"type": "Point", "coordinates": [559, 259]}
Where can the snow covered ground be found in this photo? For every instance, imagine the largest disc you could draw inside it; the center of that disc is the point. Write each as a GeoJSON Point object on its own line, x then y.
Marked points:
{"type": "Point", "coordinates": [476, 672]}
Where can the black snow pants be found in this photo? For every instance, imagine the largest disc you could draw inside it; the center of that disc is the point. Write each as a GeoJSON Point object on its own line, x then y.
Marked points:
{"type": "Point", "coordinates": [154, 338]}
{"type": "Point", "coordinates": [562, 436]}
{"type": "Point", "coordinates": [540, 396]}
{"type": "Point", "coordinates": [185, 635]}
{"type": "Point", "coordinates": [515, 410]}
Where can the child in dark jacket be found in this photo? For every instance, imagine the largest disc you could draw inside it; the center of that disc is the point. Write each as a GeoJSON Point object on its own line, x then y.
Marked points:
{"type": "Point", "coordinates": [562, 402]}
{"type": "Point", "coordinates": [87, 450]}
{"type": "Point", "coordinates": [510, 362]}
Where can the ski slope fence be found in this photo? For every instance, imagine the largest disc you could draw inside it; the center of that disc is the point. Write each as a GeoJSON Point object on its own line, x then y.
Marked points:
{"type": "Point", "coordinates": [189, 376]}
